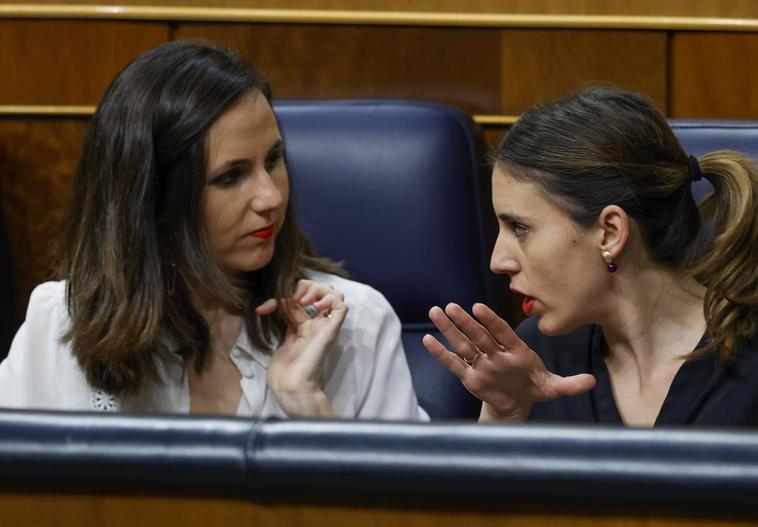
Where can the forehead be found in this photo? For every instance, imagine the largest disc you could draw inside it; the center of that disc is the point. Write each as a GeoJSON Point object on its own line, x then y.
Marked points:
{"type": "Point", "coordinates": [522, 199]}
{"type": "Point", "coordinates": [245, 129]}
{"type": "Point", "coordinates": [510, 192]}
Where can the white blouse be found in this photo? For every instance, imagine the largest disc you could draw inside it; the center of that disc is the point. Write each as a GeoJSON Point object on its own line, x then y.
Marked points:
{"type": "Point", "coordinates": [365, 374]}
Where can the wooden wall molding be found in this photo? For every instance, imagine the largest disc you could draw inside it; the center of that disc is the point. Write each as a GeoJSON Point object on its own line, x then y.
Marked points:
{"type": "Point", "coordinates": [15, 111]}
{"type": "Point", "coordinates": [45, 111]}
{"type": "Point", "coordinates": [495, 120]}
{"type": "Point", "coordinates": [361, 17]}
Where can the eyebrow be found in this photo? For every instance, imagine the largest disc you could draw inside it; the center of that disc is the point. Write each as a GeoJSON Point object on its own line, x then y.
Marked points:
{"type": "Point", "coordinates": [278, 146]}
{"type": "Point", "coordinates": [512, 218]}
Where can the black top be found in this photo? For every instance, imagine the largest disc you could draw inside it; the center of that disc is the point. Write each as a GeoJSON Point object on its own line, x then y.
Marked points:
{"type": "Point", "coordinates": [702, 392]}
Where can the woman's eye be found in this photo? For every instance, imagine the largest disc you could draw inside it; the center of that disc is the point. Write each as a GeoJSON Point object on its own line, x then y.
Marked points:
{"type": "Point", "coordinates": [273, 160]}
{"type": "Point", "coordinates": [519, 230]}
{"type": "Point", "coordinates": [228, 178]}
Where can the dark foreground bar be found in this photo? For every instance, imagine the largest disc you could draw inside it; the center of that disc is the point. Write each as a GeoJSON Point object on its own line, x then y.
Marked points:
{"type": "Point", "coordinates": [380, 464]}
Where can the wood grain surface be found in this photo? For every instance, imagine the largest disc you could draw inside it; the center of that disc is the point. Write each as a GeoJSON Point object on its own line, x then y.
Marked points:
{"type": "Point", "coordinates": [458, 66]}
{"type": "Point", "coordinates": [544, 64]}
{"type": "Point", "coordinates": [118, 511]}
{"type": "Point", "coordinates": [714, 75]}
{"type": "Point", "coordinates": [68, 62]}
{"type": "Point", "coordinates": [37, 158]}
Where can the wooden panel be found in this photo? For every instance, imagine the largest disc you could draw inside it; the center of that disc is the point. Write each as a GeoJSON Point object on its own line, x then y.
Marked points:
{"type": "Point", "coordinates": [493, 135]}
{"type": "Point", "coordinates": [709, 8]}
{"type": "Point", "coordinates": [37, 160]}
{"type": "Point", "coordinates": [458, 66]}
{"type": "Point", "coordinates": [540, 64]}
{"type": "Point", "coordinates": [117, 511]}
{"type": "Point", "coordinates": [714, 75]}
{"type": "Point", "coordinates": [66, 62]}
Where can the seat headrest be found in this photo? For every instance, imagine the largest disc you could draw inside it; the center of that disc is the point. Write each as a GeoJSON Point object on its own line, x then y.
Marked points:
{"type": "Point", "coordinates": [396, 191]}
{"type": "Point", "coordinates": [701, 136]}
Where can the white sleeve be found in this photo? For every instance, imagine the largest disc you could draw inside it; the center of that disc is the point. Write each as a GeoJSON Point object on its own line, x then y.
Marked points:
{"type": "Point", "coordinates": [28, 375]}
{"type": "Point", "coordinates": [388, 385]}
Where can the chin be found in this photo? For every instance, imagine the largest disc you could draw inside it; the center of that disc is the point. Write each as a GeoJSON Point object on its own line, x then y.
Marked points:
{"type": "Point", "coordinates": [248, 265]}
{"type": "Point", "coordinates": [552, 327]}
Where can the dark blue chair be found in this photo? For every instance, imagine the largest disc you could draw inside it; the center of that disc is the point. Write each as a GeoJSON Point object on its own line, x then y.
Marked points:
{"type": "Point", "coordinates": [699, 137]}
{"type": "Point", "coordinates": [399, 192]}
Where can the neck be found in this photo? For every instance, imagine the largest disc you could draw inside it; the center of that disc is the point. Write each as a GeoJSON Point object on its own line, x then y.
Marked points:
{"type": "Point", "coordinates": [655, 316]}
{"type": "Point", "coordinates": [224, 325]}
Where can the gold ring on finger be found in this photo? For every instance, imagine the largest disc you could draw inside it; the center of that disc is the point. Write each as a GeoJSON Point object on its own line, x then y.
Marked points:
{"type": "Point", "coordinates": [472, 360]}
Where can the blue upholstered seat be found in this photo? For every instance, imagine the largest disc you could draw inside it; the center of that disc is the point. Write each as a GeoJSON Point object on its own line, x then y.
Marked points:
{"type": "Point", "coordinates": [397, 191]}
{"type": "Point", "coordinates": [702, 136]}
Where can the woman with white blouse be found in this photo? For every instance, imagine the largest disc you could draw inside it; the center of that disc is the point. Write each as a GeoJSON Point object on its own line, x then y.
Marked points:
{"type": "Point", "coordinates": [188, 284]}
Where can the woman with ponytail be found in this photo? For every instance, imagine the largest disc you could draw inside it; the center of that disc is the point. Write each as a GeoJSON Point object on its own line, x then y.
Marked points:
{"type": "Point", "coordinates": [630, 320]}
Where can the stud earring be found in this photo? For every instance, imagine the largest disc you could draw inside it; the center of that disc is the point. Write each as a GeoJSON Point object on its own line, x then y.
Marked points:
{"type": "Point", "coordinates": [612, 267]}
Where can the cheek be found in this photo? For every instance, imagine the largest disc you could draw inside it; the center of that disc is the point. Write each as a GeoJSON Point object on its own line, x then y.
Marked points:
{"type": "Point", "coordinates": [560, 269]}
{"type": "Point", "coordinates": [284, 189]}
{"type": "Point", "coordinates": [584, 285]}
{"type": "Point", "coordinates": [217, 217]}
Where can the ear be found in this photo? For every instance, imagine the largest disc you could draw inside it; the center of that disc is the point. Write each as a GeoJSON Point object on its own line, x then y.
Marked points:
{"type": "Point", "coordinates": [614, 224]}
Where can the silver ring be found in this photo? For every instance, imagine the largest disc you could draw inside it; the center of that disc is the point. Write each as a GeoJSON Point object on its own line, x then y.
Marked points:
{"type": "Point", "coordinates": [311, 311]}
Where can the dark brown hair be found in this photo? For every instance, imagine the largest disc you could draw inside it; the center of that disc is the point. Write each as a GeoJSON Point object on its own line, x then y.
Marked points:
{"type": "Point", "coordinates": [134, 254]}
{"type": "Point", "coordinates": [606, 146]}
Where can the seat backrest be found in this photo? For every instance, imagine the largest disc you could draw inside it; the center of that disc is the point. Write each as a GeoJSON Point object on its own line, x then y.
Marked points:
{"type": "Point", "coordinates": [398, 192]}
{"type": "Point", "coordinates": [701, 136]}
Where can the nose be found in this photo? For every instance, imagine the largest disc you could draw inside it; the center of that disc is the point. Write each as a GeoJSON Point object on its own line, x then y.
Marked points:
{"type": "Point", "coordinates": [266, 195]}
{"type": "Point", "coordinates": [503, 259]}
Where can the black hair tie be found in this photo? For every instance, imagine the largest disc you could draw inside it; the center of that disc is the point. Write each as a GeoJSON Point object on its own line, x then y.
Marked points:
{"type": "Point", "coordinates": [695, 173]}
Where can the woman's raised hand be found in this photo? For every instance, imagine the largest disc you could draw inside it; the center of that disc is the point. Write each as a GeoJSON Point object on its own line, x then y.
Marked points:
{"type": "Point", "coordinates": [315, 313]}
{"type": "Point", "coordinates": [495, 365]}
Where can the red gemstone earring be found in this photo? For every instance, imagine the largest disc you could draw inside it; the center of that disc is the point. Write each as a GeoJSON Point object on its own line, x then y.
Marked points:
{"type": "Point", "coordinates": [612, 267]}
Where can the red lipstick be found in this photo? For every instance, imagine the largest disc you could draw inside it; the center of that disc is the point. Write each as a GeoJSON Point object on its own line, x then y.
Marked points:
{"type": "Point", "coordinates": [264, 234]}
{"type": "Point", "coordinates": [527, 305]}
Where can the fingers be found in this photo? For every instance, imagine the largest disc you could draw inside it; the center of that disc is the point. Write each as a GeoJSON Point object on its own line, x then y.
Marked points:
{"type": "Point", "coordinates": [330, 304]}
{"type": "Point", "coordinates": [556, 386]}
{"type": "Point", "coordinates": [268, 307]}
{"type": "Point", "coordinates": [473, 330]}
{"type": "Point", "coordinates": [337, 314]}
{"type": "Point", "coordinates": [577, 384]}
{"type": "Point", "coordinates": [448, 359]}
{"type": "Point", "coordinates": [313, 298]}
{"type": "Point", "coordinates": [460, 343]}
{"type": "Point", "coordinates": [497, 327]}
{"type": "Point", "coordinates": [309, 292]}
{"type": "Point", "coordinates": [300, 289]}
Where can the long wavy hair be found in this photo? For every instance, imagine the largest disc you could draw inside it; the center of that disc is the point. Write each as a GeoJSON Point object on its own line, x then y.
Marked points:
{"type": "Point", "coordinates": [134, 253]}
{"type": "Point", "coordinates": [604, 146]}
